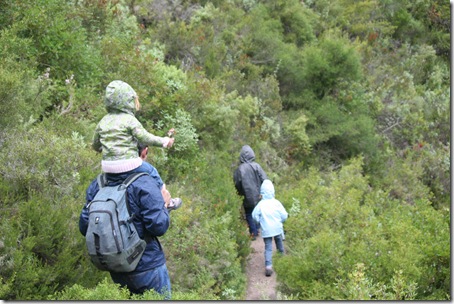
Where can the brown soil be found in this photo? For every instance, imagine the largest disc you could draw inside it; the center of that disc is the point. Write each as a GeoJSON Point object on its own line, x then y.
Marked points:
{"type": "Point", "coordinates": [259, 287]}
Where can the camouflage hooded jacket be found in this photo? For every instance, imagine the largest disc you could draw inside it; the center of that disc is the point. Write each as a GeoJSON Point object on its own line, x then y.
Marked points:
{"type": "Point", "coordinates": [119, 132]}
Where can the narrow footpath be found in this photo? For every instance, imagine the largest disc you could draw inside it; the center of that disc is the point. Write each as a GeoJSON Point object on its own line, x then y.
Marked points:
{"type": "Point", "coordinates": [259, 286]}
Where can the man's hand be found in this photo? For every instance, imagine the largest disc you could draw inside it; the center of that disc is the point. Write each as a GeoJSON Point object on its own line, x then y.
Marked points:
{"type": "Point", "coordinates": [165, 195]}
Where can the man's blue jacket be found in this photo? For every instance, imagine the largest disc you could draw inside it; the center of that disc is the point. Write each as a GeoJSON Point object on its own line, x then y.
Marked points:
{"type": "Point", "coordinates": [151, 216]}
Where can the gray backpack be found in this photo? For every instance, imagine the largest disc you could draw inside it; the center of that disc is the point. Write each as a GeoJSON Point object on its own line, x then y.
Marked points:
{"type": "Point", "coordinates": [112, 239]}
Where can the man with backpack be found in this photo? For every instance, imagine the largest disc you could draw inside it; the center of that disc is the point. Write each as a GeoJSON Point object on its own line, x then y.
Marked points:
{"type": "Point", "coordinates": [248, 178]}
{"type": "Point", "coordinates": [147, 206]}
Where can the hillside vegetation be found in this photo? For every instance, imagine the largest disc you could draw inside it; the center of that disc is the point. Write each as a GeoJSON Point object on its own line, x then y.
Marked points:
{"type": "Point", "coordinates": [346, 104]}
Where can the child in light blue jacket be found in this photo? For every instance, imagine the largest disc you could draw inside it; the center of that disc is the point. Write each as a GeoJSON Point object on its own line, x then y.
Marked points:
{"type": "Point", "coordinates": [271, 215]}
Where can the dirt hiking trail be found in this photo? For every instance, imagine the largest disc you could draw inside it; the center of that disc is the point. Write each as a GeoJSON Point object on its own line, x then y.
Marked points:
{"type": "Point", "coordinates": [259, 286]}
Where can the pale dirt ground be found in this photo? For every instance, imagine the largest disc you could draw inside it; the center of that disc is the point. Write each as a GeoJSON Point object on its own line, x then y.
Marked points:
{"type": "Point", "coordinates": [259, 286]}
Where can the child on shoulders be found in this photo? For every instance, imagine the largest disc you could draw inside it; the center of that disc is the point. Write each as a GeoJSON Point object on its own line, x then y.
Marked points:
{"type": "Point", "coordinates": [119, 132]}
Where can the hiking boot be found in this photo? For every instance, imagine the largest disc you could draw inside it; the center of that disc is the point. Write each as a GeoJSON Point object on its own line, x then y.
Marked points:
{"type": "Point", "coordinates": [175, 203]}
{"type": "Point", "coordinates": [268, 271]}
{"type": "Point", "coordinates": [253, 237]}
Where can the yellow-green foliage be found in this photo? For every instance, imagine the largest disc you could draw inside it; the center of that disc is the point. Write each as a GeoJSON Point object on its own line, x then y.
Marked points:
{"type": "Point", "coordinates": [105, 290]}
{"type": "Point", "coordinates": [359, 286]}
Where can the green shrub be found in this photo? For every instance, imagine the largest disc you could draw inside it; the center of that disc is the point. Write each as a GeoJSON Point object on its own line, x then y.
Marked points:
{"type": "Point", "coordinates": [310, 85]}
{"type": "Point", "coordinates": [58, 39]}
{"type": "Point", "coordinates": [50, 166]}
{"type": "Point", "coordinates": [106, 290]}
{"type": "Point", "coordinates": [329, 62]}
{"type": "Point", "coordinates": [360, 287]}
{"type": "Point", "coordinates": [43, 248]}
{"type": "Point", "coordinates": [207, 243]}
{"type": "Point", "coordinates": [45, 174]}
{"type": "Point", "coordinates": [185, 149]}
{"type": "Point", "coordinates": [342, 221]}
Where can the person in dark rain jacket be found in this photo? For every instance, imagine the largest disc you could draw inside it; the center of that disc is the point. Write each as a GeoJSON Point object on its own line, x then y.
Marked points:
{"type": "Point", "coordinates": [248, 178]}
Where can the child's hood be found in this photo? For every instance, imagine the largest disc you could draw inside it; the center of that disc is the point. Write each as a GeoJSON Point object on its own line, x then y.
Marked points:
{"type": "Point", "coordinates": [267, 189]}
{"type": "Point", "coordinates": [120, 97]}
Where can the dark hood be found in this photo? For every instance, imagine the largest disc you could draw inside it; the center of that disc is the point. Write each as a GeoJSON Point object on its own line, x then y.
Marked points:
{"type": "Point", "coordinates": [247, 155]}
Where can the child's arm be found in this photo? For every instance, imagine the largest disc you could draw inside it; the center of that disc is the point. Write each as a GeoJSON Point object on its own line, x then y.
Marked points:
{"type": "Point", "coordinates": [146, 138]}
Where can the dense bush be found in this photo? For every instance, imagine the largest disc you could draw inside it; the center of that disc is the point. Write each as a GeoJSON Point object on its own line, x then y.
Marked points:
{"type": "Point", "coordinates": [41, 198]}
{"type": "Point", "coordinates": [212, 253]}
{"type": "Point", "coordinates": [57, 39]}
{"type": "Point", "coordinates": [108, 291]}
{"type": "Point", "coordinates": [346, 224]}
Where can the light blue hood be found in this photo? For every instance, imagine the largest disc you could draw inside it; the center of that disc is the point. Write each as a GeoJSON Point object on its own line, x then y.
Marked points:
{"type": "Point", "coordinates": [267, 189]}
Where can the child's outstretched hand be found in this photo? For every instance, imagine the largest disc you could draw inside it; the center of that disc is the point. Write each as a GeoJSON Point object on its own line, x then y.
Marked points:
{"type": "Point", "coordinates": [170, 143]}
{"type": "Point", "coordinates": [171, 132]}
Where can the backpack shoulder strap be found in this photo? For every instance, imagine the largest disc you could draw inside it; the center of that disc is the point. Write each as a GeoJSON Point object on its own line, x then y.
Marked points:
{"type": "Point", "coordinates": [102, 181]}
{"type": "Point", "coordinates": [128, 181]}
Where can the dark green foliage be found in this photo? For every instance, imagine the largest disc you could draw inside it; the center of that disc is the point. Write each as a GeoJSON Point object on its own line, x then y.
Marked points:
{"type": "Point", "coordinates": [41, 208]}
{"type": "Point", "coordinates": [413, 20]}
{"type": "Point", "coordinates": [57, 38]}
{"type": "Point", "coordinates": [297, 23]}
{"type": "Point", "coordinates": [44, 247]}
{"type": "Point", "coordinates": [363, 20]}
{"type": "Point", "coordinates": [437, 19]}
{"type": "Point", "coordinates": [327, 64]}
